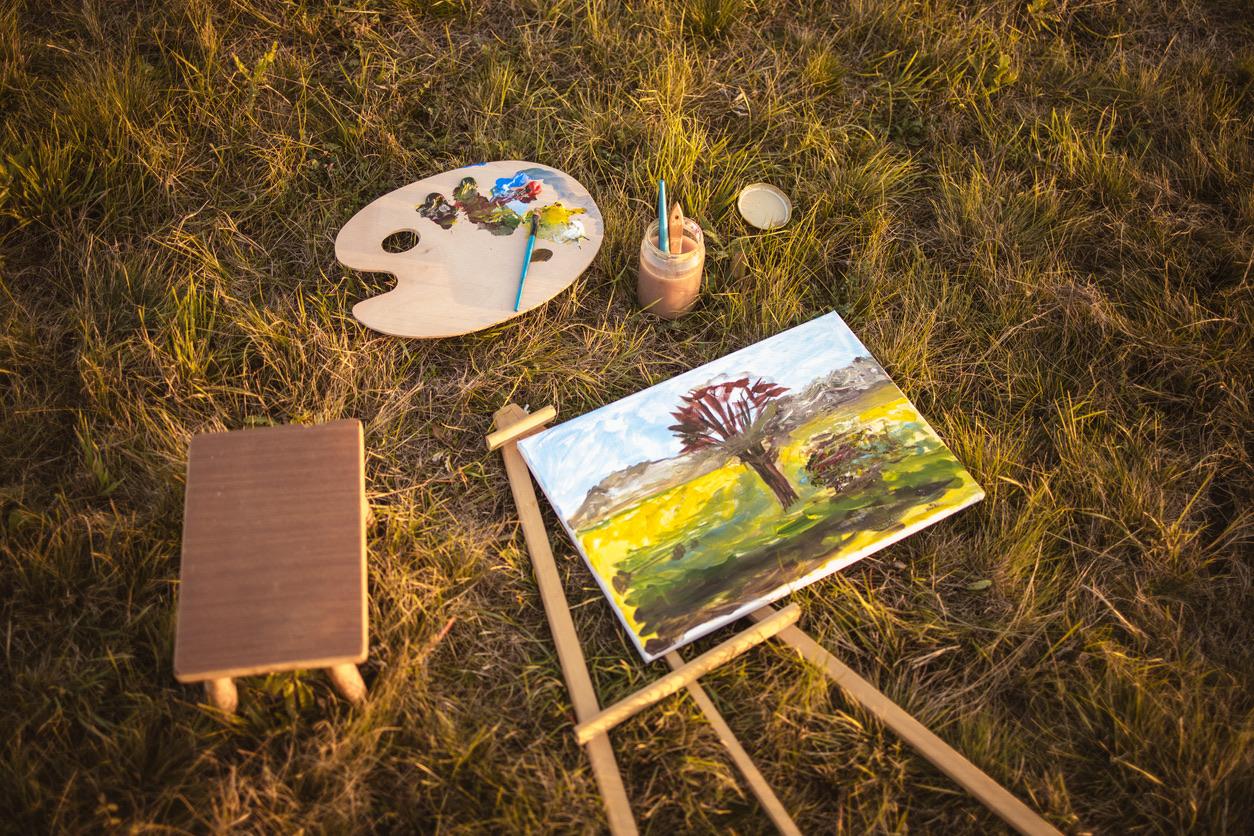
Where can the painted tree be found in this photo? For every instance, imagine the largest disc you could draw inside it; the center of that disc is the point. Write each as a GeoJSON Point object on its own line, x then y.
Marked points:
{"type": "Point", "coordinates": [735, 416]}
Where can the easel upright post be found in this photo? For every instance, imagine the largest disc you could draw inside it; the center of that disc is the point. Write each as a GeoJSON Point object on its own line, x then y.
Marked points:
{"type": "Point", "coordinates": [592, 724]}
{"type": "Point", "coordinates": [556, 609]}
{"type": "Point", "coordinates": [753, 776]}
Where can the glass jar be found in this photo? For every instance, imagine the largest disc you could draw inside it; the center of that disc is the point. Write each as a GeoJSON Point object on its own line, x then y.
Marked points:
{"type": "Point", "coordinates": [669, 283]}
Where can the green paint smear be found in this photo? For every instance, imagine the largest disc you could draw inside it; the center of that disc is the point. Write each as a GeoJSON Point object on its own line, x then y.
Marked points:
{"type": "Point", "coordinates": [482, 212]}
{"type": "Point", "coordinates": [436, 208]}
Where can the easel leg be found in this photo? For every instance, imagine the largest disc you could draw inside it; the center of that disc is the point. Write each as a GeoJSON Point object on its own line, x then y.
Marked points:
{"type": "Point", "coordinates": [753, 777]}
{"type": "Point", "coordinates": [689, 672]}
{"type": "Point", "coordinates": [990, 793]}
{"type": "Point", "coordinates": [223, 694]}
{"type": "Point", "coordinates": [569, 652]}
{"type": "Point", "coordinates": [348, 682]}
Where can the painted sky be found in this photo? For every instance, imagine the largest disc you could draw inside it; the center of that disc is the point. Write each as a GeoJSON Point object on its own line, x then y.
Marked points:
{"type": "Point", "coordinates": [573, 457]}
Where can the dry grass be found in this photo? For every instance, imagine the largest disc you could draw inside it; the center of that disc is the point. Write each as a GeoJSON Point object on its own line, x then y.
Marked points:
{"type": "Point", "coordinates": [1038, 215]}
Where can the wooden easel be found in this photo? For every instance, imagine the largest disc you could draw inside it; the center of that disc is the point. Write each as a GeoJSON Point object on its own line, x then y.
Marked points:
{"type": "Point", "coordinates": [593, 723]}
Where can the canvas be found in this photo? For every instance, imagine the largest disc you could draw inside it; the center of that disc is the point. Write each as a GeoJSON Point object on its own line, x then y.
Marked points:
{"type": "Point", "coordinates": [705, 497]}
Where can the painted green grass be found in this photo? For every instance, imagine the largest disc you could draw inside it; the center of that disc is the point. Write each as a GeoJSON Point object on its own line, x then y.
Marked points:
{"type": "Point", "coordinates": [1037, 214]}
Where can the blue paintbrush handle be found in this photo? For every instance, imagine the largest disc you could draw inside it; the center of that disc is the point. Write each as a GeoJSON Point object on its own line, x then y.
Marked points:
{"type": "Point", "coordinates": [663, 233]}
{"type": "Point", "coordinates": [522, 280]}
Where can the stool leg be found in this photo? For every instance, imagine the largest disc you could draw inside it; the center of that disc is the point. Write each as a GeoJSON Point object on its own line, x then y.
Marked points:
{"type": "Point", "coordinates": [347, 680]}
{"type": "Point", "coordinates": [222, 694]}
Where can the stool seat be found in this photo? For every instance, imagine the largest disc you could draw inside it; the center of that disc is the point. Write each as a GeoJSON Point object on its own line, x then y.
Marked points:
{"type": "Point", "coordinates": [273, 572]}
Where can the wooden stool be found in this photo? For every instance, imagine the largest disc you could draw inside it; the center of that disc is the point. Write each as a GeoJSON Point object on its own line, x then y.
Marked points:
{"type": "Point", "coordinates": [274, 557]}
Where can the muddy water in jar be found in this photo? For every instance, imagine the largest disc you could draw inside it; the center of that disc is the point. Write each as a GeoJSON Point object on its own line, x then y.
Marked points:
{"type": "Point", "coordinates": [670, 283]}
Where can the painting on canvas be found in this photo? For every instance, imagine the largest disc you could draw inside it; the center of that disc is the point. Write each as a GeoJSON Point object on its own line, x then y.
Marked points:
{"type": "Point", "coordinates": [727, 487]}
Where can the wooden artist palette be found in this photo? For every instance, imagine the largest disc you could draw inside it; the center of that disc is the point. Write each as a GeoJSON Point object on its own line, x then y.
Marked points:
{"type": "Point", "coordinates": [472, 227]}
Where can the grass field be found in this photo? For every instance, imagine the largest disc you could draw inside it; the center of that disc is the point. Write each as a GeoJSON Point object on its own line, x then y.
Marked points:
{"type": "Point", "coordinates": [1038, 215]}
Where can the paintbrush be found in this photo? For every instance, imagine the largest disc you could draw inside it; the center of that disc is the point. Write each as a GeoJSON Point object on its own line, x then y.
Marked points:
{"type": "Point", "coordinates": [663, 238]}
{"type": "Point", "coordinates": [675, 227]}
{"type": "Point", "coordinates": [531, 243]}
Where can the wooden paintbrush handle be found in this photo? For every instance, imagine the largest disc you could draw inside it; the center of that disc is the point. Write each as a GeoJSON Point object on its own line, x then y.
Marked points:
{"type": "Point", "coordinates": [675, 228]}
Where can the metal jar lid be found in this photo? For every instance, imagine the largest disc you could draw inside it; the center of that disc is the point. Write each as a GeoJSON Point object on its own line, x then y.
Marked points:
{"type": "Point", "coordinates": [764, 206]}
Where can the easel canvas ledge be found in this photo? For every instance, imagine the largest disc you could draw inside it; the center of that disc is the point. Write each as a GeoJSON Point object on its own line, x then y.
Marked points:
{"type": "Point", "coordinates": [593, 723]}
